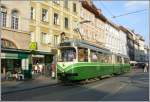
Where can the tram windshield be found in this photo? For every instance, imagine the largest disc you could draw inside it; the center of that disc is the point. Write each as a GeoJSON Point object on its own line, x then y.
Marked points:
{"type": "Point", "coordinates": [68, 54]}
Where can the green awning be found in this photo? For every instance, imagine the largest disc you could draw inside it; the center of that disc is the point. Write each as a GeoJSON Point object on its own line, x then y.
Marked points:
{"type": "Point", "coordinates": [13, 56]}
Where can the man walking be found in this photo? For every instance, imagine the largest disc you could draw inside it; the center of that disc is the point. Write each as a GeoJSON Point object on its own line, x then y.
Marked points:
{"type": "Point", "coordinates": [145, 67]}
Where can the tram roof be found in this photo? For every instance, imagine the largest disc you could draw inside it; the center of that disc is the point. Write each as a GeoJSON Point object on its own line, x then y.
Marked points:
{"type": "Point", "coordinates": [118, 54]}
{"type": "Point", "coordinates": [85, 44]}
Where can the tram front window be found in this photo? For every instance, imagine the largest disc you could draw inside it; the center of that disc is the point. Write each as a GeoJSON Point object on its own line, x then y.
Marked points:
{"type": "Point", "coordinates": [68, 54]}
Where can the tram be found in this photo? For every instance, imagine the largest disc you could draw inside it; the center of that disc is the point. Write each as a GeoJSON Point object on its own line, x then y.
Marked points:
{"type": "Point", "coordinates": [80, 60]}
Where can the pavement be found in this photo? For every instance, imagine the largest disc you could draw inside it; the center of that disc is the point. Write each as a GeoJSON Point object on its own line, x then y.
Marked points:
{"type": "Point", "coordinates": [14, 86]}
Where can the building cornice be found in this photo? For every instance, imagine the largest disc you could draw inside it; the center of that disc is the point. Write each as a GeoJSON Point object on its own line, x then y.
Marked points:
{"type": "Point", "coordinates": [92, 8]}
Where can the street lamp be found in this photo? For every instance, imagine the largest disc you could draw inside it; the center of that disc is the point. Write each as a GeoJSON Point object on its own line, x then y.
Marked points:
{"type": "Point", "coordinates": [78, 30]}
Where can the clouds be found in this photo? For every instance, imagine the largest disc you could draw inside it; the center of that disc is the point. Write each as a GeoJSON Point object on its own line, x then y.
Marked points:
{"type": "Point", "coordinates": [136, 5]}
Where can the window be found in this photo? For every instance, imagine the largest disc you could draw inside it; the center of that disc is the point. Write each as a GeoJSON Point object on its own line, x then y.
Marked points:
{"type": "Point", "coordinates": [32, 13]}
{"type": "Point", "coordinates": [94, 57]}
{"type": "Point", "coordinates": [4, 15]}
{"type": "Point", "coordinates": [66, 4]}
{"type": "Point", "coordinates": [82, 14]}
{"type": "Point", "coordinates": [66, 22]}
{"type": "Point", "coordinates": [118, 59]}
{"type": "Point", "coordinates": [74, 7]}
{"type": "Point", "coordinates": [83, 55]}
{"type": "Point", "coordinates": [43, 37]}
{"type": "Point", "coordinates": [56, 1]}
{"type": "Point", "coordinates": [68, 54]}
{"type": "Point", "coordinates": [32, 36]}
{"type": "Point", "coordinates": [55, 40]}
{"type": "Point", "coordinates": [104, 58]}
{"type": "Point", "coordinates": [126, 60]}
{"type": "Point", "coordinates": [7, 44]}
{"type": "Point", "coordinates": [56, 19]}
{"type": "Point", "coordinates": [14, 19]}
{"type": "Point", "coordinates": [45, 15]}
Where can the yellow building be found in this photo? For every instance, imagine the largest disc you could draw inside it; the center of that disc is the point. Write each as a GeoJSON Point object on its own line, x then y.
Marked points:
{"type": "Point", "coordinates": [50, 19]}
{"type": "Point", "coordinates": [38, 25]}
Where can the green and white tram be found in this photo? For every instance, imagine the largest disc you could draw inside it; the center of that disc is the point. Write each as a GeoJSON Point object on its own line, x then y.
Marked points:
{"type": "Point", "coordinates": [79, 60]}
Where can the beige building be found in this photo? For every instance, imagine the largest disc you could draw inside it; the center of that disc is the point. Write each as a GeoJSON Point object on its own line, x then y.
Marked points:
{"type": "Point", "coordinates": [93, 30]}
{"type": "Point", "coordinates": [14, 25]}
{"type": "Point", "coordinates": [15, 37]}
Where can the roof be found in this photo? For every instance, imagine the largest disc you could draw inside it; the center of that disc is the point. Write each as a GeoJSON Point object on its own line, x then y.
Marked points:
{"type": "Point", "coordinates": [92, 8]}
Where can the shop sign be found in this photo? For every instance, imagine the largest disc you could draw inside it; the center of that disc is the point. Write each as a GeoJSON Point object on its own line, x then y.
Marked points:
{"type": "Point", "coordinates": [33, 46]}
{"type": "Point", "coordinates": [9, 55]}
{"type": "Point", "coordinates": [2, 55]}
{"type": "Point", "coordinates": [37, 55]}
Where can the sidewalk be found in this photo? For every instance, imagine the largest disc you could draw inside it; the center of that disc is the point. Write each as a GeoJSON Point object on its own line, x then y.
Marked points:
{"type": "Point", "coordinates": [13, 86]}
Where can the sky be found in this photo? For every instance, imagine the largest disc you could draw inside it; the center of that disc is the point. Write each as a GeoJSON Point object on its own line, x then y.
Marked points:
{"type": "Point", "coordinates": [139, 22]}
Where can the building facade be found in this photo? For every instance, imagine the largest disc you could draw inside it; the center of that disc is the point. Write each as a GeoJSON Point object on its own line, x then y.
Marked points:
{"type": "Point", "coordinates": [52, 21]}
{"type": "Point", "coordinates": [15, 36]}
{"type": "Point", "coordinates": [147, 53]}
{"type": "Point", "coordinates": [39, 27]}
{"type": "Point", "coordinates": [122, 42]}
{"type": "Point", "coordinates": [112, 37]}
{"type": "Point", "coordinates": [141, 48]}
{"type": "Point", "coordinates": [93, 30]}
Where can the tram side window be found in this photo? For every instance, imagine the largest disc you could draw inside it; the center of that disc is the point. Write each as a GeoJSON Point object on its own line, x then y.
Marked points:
{"type": "Point", "coordinates": [94, 56]}
{"type": "Point", "coordinates": [103, 58]}
{"type": "Point", "coordinates": [107, 59]}
{"type": "Point", "coordinates": [83, 55]}
{"type": "Point", "coordinates": [118, 59]}
{"type": "Point", "coordinates": [126, 60]}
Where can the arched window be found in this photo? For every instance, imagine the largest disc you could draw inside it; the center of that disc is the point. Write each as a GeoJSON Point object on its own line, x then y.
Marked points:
{"type": "Point", "coordinates": [3, 11]}
{"type": "Point", "coordinates": [14, 19]}
{"type": "Point", "coordinates": [8, 44]}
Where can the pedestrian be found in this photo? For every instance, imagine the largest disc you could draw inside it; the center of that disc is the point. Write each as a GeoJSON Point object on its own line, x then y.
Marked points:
{"type": "Point", "coordinates": [145, 67]}
{"type": "Point", "coordinates": [53, 67]}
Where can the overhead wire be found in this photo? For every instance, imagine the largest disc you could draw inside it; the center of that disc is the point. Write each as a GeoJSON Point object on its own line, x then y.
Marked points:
{"type": "Point", "coordinates": [129, 13]}
{"type": "Point", "coordinates": [106, 8]}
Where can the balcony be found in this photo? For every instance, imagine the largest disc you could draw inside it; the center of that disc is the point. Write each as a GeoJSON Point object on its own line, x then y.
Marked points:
{"type": "Point", "coordinates": [45, 24]}
{"type": "Point", "coordinates": [56, 27]}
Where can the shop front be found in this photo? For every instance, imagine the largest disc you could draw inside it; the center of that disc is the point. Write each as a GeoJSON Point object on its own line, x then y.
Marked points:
{"type": "Point", "coordinates": [14, 63]}
{"type": "Point", "coordinates": [41, 64]}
